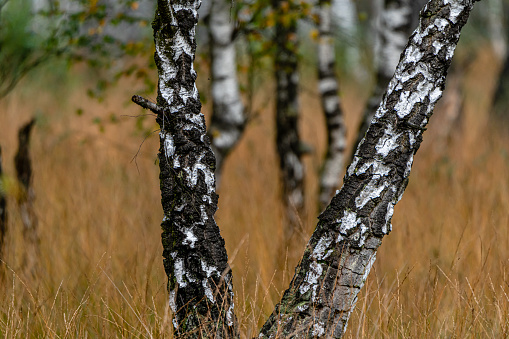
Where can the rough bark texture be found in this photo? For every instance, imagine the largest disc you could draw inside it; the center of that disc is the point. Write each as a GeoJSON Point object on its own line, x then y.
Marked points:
{"type": "Point", "coordinates": [195, 259]}
{"type": "Point", "coordinates": [394, 26]}
{"type": "Point", "coordinates": [3, 210]}
{"type": "Point", "coordinates": [343, 247]}
{"type": "Point", "coordinates": [328, 87]}
{"type": "Point", "coordinates": [288, 142]}
{"type": "Point", "coordinates": [23, 165]}
{"type": "Point", "coordinates": [228, 120]}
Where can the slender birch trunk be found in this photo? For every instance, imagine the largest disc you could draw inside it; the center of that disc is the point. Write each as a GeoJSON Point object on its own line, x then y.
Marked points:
{"type": "Point", "coordinates": [287, 115]}
{"type": "Point", "coordinates": [195, 259]}
{"type": "Point", "coordinates": [228, 120]}
{"type": "Point", "coordinates": [392, 31]}
{"type": "Point", "coordinates": [328, 86]}
{"type": "Point", "coordinates": [343, 247]}
{"type": "Point", "coordinates": [3, 211]}
{"type": "Point", "coordinates": [23, 165]}
{"type": "Point", "coordinates": [345, 22]}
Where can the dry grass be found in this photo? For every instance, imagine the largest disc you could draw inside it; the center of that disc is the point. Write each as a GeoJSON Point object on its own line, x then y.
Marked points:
{"type": "Point", "coordinates": [442, 272]}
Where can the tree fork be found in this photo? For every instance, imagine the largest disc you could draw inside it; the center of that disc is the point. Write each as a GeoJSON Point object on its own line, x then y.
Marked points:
{"type": "Point", "coordinates": [343, 247]}
{"type": "Point", "coordinates": [195, 259]}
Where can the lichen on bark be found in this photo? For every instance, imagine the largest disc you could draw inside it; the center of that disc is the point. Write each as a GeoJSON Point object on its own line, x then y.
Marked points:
{"type": "Point", "coordinates": [343, 247]}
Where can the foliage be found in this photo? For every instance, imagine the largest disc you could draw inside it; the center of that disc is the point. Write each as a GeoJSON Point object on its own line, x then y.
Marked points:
{"type": "Point", "coordinates": [76, 30]}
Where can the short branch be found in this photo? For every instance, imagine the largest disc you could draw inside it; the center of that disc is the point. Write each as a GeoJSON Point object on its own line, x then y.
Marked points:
{"type": "Point", "coordinates": [147, 104]}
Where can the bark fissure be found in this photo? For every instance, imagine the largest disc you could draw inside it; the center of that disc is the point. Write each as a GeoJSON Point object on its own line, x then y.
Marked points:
{"type": "Point", "coordinates": [228, 118]}
{"type": "Point", "coordinates": [343, 247]}
{"type": "Point", "coordinates": [195, 259]}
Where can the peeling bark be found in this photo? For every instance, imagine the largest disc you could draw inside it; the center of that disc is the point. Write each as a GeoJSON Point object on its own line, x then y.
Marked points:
{"type": "Point", "coordinates": [288, 141]}
{"type": "Point", "coordinates": [228, 120]}
{"type": "Point", "coordinates": [23, 165]}
{"type": "Point", "coordinates": [394, 26]}
{"type": "Point", "coordinates": [328, 86]}
{"type": "Point", "coordinates": [195, 259]}
{"type": "Point", "coordinates": [3, 210]}
{"type": "Point", "coordinates": [343, 247]}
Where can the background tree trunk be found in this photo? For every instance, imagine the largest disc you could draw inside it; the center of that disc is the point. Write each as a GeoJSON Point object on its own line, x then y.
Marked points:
{"type": "Point", "coordinates": [3, 211]}
{"type": "Point", "coordinates": [394, 25]}
{"type": "Point", "coordinates": [343, 247]}
{"type": "Point", "coordinates": [328, 86]}
{"type": "Point", "coordinates": [26, 197]}
{"type": "Point", "coordinates": [195, 259]}
{"type": "Point", "coordinates": [287, 115]}
{"type": "Point", "coordinates": [228, 120]}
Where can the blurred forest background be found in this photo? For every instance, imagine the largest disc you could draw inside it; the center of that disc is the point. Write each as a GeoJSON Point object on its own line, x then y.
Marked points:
{"type": "Point", "coordinates": [73, 66]}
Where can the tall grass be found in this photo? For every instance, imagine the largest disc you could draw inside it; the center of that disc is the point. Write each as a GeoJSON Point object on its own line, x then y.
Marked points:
{"type": "Point", "coordinates": [442, 272]}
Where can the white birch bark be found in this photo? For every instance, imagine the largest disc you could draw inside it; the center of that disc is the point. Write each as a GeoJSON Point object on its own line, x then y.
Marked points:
{"type": "Point", "coordinates": [195, 259]}
{"type": "Point", "coordinates": [328, 87]}
{"type": "Point", "coordinates": [343, 247]}
{"type": "Point", "coordinates": [393, 26]}
{"type": "Point", "coordinates": [228, 120]}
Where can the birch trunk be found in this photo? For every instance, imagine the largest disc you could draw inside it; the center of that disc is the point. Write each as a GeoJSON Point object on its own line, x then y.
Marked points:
{"type": "Point", "coordinates": [287, 115]}
{"type": "Point", "coordinates": [394, 25]}
{"type": "Point", "coordinates": [343, 247]}
{"type": "Point", "coordinates": [228, 120]}
{"type": "Point", "coordinates": [328, 86]}
{"type": "Point", "coordinates": [195, 259]}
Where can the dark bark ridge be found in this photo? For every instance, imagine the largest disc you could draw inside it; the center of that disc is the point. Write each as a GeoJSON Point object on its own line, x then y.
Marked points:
{"type": "Point", "coordinates": [343, 247]}
{"type": "Point", "coordinates": [331, 105]}
{"type": "Point", "coordinates": [289, 146]}
{"type": "Point", "coordinates": [195, 259]}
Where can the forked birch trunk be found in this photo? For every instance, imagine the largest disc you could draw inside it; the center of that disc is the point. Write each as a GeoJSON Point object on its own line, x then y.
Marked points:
{"type": "Point", "coordinates": [195, 259]}
{"type": "Point", "coordinates": [328, 86]}
{"type": "Point", "coordinates": [394, 26]}
{"type": "Point", "coordinates": [288, 141]}
{"type": "Point", "coordinates": [343, 247]}
{"type": "Point", "coordinates": [228, 120]}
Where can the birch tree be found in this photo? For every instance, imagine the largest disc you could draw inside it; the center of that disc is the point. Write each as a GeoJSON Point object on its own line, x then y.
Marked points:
{"type": "Point", "coordinates": [228, 119]}
{"type": "Point", "coordinates": [289, 147]}
{"type": "Point", "coordinates": [331, 106]}
{"type": "Point", "coordinates": [343, 247]}
{"type": "Point", "coordinates": [393, 26]}
{"type": "Point", "coordinates": [195, 259]}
